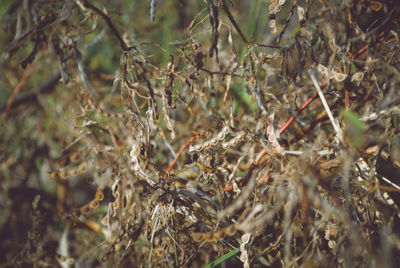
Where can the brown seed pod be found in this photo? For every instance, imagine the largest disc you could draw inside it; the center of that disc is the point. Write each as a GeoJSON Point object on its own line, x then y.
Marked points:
{"type": "Point", "coordinates": [54, 175]}
{"type": "Point", "coordinates": [75, 157]}
{"type": "Point", "coordinates": [83, 167]}
{"type": "Point", "coordinates": [63, 175]}
{"type": "Point", "coordinates": [73, 172]}
{"type": "Point", "coordinates": [94, 204]}
{"type": "Point", "coordinates": [208, 237]}
{"type": "Point", "coordinates": [63, 161]}
{"type": "Point", "coordinates": [230, 230]}
{"type": "Point", "coordinates": [197, 237]}
{"type": "Point", "coordinates": [219, 235]}
{"type": "Point", "coordinates": [99, 194]}
{"type": "Point", "coordinates": [104, 220]}
{"type": "Point", "coordinates": [115, 204]}
{"type": "Point", "coordinates": [85, 209]}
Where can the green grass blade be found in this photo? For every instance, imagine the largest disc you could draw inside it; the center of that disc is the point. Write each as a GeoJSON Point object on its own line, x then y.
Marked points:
{"type": "Point", "coordinates": [223, 258]}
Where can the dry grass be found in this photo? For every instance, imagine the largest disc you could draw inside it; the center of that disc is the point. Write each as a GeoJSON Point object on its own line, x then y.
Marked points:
{"type": "Point", "coordinates": [246, 140]}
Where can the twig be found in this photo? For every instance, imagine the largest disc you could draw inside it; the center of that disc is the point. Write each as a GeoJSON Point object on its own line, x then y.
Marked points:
{"type": "Point", "coordinates": [178, 154]}
{"type": "Point", "coordinates": [229, 14]}
{"type": "Point", "coordinates": [31, 95]}
{"type": "Point", "coordinates": [25, 78]}
{"type": "Point", "coordinates": [107, 19]}
{"type": "Point", "coordinates": [326, 106]}
{"type": "Point", "coordinates": [291, 119]}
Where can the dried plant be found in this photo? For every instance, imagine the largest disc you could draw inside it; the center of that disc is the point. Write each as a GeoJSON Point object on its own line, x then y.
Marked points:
{"type": "Point", "coordinates": [269, 140]}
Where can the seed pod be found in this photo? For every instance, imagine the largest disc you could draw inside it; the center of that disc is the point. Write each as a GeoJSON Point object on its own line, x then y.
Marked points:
{"type": "Point", "coordinates": [246, 238]}
{"type": "Point", "coordinates": [244, 257]}
{"type": "Point", "coordinates": [85, 209]}
{"type": "Point", "coordinates": [54, 175]}
{"type": "Point", "coordinates": [104, 221]}
{"type": "Point", "coordinates": [197, 237]}
{"type": "Point", "coordinates": [83, 167]}
{"type": "Point", "coordinates": [99, 194]}
{"type": "Point", "coordinates": [94, 204]}
{"type": "Point", "coordinates": [230, 230]}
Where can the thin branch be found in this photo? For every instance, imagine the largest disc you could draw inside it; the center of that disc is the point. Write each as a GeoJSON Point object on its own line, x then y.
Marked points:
{"type": "Point", "coordinates": [335, 125]}
{"type": "Point", "coordinates": [107, 19]}
{"type": "Point", "coordinates": [178, 154]}
{"type": "Point", "coordinates": [31, 95]}
{"type": "Point", "coordinates": [229, 14]}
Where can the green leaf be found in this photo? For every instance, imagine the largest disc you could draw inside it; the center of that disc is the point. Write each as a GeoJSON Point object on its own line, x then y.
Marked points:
{"type": "Point", "coordinates": [354, 128]}
{"type": "Point", "coordinates": [352, 118]}
{"type": "Point", "coordinates": [223, 258]}
{"type": "Point", "coordinates": [35, 201]}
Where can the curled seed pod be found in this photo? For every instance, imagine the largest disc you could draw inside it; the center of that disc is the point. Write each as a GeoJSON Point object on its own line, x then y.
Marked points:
{"type": "Point", "coordinates": [225, 130]}
{"type": "Point", "coordinates": [63, 175]}
{"type": "Point", "coordinates": [244, 256]}
{"type": "Point", "coordinates": [54, 175]}
{"type": "Point", "coordinates": [197, 237]}
{"type": "Point", "coordinates": [115, 204]}
{"type": "Point", "coordinates": [271, 8]}
{"type": "Point", "coordinates": [85, 209]}
{"type": "Point", "coordinates": [113, 213]}
{"type": "Point", "coordinates": [242, 247]}
{"type": "Point", "coordinates": [272, 24]}
{"type": "Point", "coordinates": [214, 141]}
{"type": "Point", "coordinates": [219, 235]}
{"type": "Point", "coordinates": [104, 221]}
{"type": "Point", "coordinates": [225, 145]}
{"type": "Point", "coordinates": [357, 77]}
{"type": "Point", "coordinates": [340, 77]}
{"type": "Point", "coordinates": [83, 167]}
{"type": "Point", "coordinates": [271, 138]}
{"type": "Point", "coordinates": [75, 157]}
{"type": "Point", "coordinates": [270, 130]}
{"type": "Point", "coordinates": [230, 230]}
{"type": "Point", "coordinates": [199, 147]}
{"type": "Point", "coordinates": [94, 204]}
{"type": "Point", "coordinates": [73, 172]}
{"type": "Point", "coordinates": [376, 5]}
{"type": "Point", "coordinates": [208, 237]}
{"type": "Point", "coordinates": [221, 136]}
{"type": "Point", "coordinates": [300, 12]}
{"type": "Point", "coordinates": [233, 142]}
{"type": "Point", "coordinates": [206, 145]}
{"type": "Point", "coordinates": [99, 194]}
{"type": "Point", "coordinates": [322, 69]}
{"type": "Point", "coordinates": [240, 136]}
{"type": "Point", "coordinates": [246, 238]}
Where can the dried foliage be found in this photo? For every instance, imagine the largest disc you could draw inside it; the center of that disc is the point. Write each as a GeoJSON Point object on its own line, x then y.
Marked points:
{"type": "Point", "coordinates": [275, 133]}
